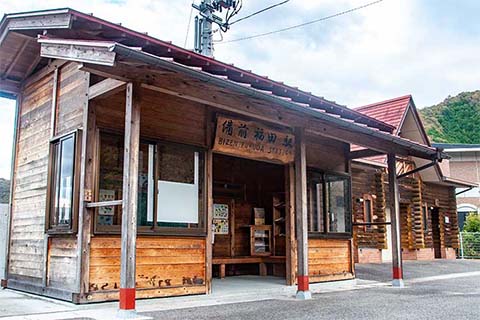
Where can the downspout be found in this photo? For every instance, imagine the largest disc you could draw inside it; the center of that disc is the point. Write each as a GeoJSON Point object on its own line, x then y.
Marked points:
{"type": "Point", "coordinates": [12, 177]}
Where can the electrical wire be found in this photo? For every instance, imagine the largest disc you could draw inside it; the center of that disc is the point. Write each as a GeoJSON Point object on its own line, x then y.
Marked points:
{"type": "Point", "coordinates": [260, 11]}
{"type": "Point", "coordinates": [188, 25]}
{"type": "Point", "coordinates": [302, 24]}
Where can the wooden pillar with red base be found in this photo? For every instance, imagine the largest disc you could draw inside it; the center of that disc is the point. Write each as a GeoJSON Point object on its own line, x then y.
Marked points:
{"type": "Point", "coordinates": [303, 291]}
{"type": "Point", "coordinates": [395, 220]}
{"type": "Point", "coordinates": [130, 200]}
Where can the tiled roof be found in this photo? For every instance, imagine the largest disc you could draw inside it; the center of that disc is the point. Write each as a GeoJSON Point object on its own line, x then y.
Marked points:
{"type": "Point", "coordinates": [389, 111]}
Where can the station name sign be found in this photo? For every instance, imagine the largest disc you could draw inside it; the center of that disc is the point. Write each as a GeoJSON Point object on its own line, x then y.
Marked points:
{"type": "Point", "coordinates": [250, 139]}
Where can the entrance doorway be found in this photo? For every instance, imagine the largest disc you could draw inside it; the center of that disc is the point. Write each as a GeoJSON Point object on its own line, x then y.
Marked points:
{"type": "Point", "coordinates": [435, 214]}
{"type": "Point", "coordinates": [249, 218]}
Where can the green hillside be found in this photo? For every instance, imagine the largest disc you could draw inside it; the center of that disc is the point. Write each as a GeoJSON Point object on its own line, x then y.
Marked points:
{"type": "Point", "coordinates": [455, 120]}
{"type": "Point", "coordinates": [4, 190]}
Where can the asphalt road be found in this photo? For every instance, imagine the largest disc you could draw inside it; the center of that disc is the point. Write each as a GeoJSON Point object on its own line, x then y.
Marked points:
{"type": "Point", "coordinates": [455, 298]}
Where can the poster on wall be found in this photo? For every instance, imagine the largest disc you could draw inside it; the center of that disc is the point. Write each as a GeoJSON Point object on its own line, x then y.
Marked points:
{"type": "Point", "coordinates": [220, 211]}
{"type": "Point", "coordinates": [253, 140]}
{"type": "Point", "coordinates": [220, 218]}
{"type": "Point", "coordinates": [220, 226]}
{"type": "Point", "coordinates": [106, 195]}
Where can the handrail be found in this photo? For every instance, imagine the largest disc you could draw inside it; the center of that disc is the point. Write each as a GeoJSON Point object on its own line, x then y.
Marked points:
{"type": "Point", "coordinates": [104, 204]}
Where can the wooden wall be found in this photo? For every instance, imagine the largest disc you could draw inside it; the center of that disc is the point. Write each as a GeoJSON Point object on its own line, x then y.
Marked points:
{"type": "Point", "coordinates": [163, 117]}
{"type": "Point", "coordinates": [27, 247]}
{"type": "Point", "coordinates": [330, 259]}
{"type": "Point", "coordinates": [326, 154]}
{"type": "Point", "coordinates": [368, 181]}
{"type": "Point", "coordinates": [446, 200]}
{"type": "Point", "coordinates": [174, 264]}
{"type": "Point", "coordinates": [413, 194]}
{"type": "Point", "coordinates": [29, 259]}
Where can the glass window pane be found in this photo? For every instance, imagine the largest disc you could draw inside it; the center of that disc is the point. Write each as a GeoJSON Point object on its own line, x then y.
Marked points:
{"type": "Point", "coordinates": [315, 202]}
{"type": "Point", "coordinates": [180, 186]}
{"type": "Point", "coordinates": [368, 210]}
{"type": "Point", "coordinates": [65, 191]}
{"type": "Point", "coordinates": [337, 203]}
{"type": "Point", "coordinates": [110, 179]}
{"type": "Point", "coordinates": [175, 164]}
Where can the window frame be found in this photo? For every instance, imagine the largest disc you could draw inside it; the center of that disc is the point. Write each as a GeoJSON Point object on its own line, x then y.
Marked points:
{"type": "Point", "coordinates": [326, 218]}
{"type": "Point", "coordinates": [155, 230]}
{"type": "Point", "coordinates": [368, 197]}
{"type": "Point", "coordinates": [425, 211]}
{"type": "Point", "coordinates": [72, 227]}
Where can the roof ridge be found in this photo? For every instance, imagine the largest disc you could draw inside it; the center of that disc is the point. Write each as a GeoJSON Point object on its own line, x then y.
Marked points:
{"type": "Point", "coordinates": [383, 102]}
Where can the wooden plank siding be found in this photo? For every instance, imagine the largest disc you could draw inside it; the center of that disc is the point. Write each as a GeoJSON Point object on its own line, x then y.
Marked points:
{"type": "Point", "coordinates": [163, 117]}
{"type": "Point", "coordinates": [72, 89]}
{"type": "Point", "coordinates": [163, 264]}
{"type": "Point", "coordinates": [29, 195]}
{"type": "Point", "coordinates": [329, 259]}
{"type": "Point", "coordinates": [28, 244]}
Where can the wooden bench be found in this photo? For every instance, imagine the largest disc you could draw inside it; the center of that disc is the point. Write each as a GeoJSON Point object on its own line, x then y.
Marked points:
{"type": "Point", "coordinates": [262, 262]}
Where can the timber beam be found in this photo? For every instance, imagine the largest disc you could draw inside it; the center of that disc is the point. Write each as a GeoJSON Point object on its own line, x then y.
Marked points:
{"type": "Point", "coordinates": [9, 87]}
{"type": "Point", "coordinates": [105, 88]}
{"type": "Point", "coordinates": [364, 153]}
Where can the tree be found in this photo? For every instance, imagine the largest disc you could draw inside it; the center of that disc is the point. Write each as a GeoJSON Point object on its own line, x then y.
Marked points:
{"type": "Point", "coordinates": [473, 223]}
{"type": "Point", "coordinates": [455, 120]}
{"type": "Point", "coordinates": [4, 190]}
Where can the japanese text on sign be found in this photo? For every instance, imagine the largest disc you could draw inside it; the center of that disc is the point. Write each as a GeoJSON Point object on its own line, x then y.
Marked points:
{"type": "Point", "coordinates": [254, 140]}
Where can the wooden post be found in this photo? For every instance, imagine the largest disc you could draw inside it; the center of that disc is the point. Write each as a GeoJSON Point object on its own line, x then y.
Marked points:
{"type": "Point", "coordinates": [209, 170]}
{"type": "Point", "coordinates": [303, 291]}
{"type": "Point", "coordinates": [291, 247]}
{"type": "Point", "coordinates": [130, 197]}
{"type": "Point", "coordinates": [395, 219]}
{"type": "Point", "coordinates": [86, 183]}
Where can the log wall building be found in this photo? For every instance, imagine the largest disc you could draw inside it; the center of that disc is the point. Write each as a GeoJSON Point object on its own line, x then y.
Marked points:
{"type": "Point", "coordinates": [428, 215]}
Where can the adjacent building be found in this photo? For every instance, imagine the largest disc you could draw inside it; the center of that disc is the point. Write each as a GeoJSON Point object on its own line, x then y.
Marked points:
{"type": "Point", "coordinates": [464, 163]}
{"type": "Point", "coordinates": [428, 217]}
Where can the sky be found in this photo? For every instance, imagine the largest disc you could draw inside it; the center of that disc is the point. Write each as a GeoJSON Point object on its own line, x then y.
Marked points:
{"type": "Point", "coordinates": [427, 48]}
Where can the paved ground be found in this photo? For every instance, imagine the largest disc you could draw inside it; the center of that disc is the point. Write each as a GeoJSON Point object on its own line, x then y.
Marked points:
{"type": "Point", "coordinates": [450, 299]}
{"type": "Point", "coordinates": [434, 290]}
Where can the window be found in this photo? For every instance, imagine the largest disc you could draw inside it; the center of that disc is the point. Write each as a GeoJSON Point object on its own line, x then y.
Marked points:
{"type": "Point", "coordinates": [170, 190]}
{"type": "Point", "coordinates": [62, 182]}
{"type": "Point", "coordinates": [425, 217]}
{"type": "Point", "coordinates": [368, 210]}
{"type": "Point", "coordinates": [328, 203]}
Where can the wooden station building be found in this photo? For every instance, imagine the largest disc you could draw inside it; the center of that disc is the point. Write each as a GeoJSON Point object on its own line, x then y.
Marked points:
{"type": "Point", "coordinates": [428, 210]}
{"type": "Point", "coordinates": [145, 170]}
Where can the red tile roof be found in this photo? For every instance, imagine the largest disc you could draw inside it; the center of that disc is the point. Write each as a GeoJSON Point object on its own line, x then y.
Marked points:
{"type": "Point", "coordinates": [389, 111]}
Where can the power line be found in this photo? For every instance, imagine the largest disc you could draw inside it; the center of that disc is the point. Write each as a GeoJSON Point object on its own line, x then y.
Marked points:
{"type": "Point", "coordinates": [260, 11]}
{"type": "Point", "coordinates": [302, 24]}
{"type": "Point", "coordinates": [188, 26]}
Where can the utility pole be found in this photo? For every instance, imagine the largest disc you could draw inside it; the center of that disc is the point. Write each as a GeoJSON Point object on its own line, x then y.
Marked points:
{"type": "Point", "coordinates": [204, 23]}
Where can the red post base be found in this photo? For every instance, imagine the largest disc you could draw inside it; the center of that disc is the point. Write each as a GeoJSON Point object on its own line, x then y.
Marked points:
{"type": "Point", "coordinates": [397, 273]}
{"type": "Point", "coordinates": [127, 298]}
{"type": "Point", "coordinates": [303, 283]}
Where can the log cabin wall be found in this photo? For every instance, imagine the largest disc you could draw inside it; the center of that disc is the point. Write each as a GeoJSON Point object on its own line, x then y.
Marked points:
{"type": "Point", "coordinates": [368, 181]}
{"type": "Point", "coordinates": [442, 197]}
{"type": "Point", "coordinates": [37, 259]}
